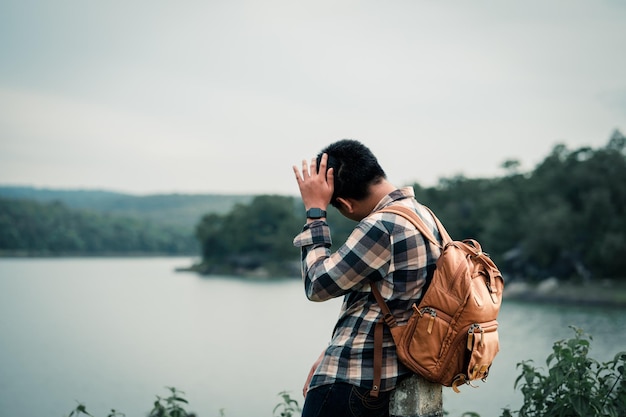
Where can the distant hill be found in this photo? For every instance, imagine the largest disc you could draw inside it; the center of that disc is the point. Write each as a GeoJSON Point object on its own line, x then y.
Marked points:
{"type": "Point", "coordinates": [180, 210]}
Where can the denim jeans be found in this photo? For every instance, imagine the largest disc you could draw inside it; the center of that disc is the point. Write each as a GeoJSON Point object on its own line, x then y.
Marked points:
{"type": "Point", "coordinates": [344, 400]}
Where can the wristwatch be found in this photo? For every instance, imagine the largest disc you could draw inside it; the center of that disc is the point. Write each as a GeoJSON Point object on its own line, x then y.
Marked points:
{"type": "Point", "coordinates": [315, 213]}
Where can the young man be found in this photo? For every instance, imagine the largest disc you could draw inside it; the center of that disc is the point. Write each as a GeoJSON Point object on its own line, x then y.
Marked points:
{"type": "Point", "coordinates": [383, 250]}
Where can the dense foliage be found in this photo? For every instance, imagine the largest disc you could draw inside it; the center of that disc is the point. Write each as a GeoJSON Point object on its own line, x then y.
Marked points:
{"type": "Point", "coordinates": [32, 228]}
{"type": "Point", "coordinates": [567, 218]}
{"type": "Point", "coordinates": [251, 236]}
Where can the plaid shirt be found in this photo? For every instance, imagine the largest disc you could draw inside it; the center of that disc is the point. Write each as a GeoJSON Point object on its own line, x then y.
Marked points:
{"type": "Point", "coordinates": [386, 249]}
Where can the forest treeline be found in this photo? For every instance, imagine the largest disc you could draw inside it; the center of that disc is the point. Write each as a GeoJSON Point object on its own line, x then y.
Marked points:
{"type": "Point", "coordinates": [30, 227]}
{"type": "Point", "coordinates": [180, 210]}
{"type": "Point", "coordinates": [564, 219]}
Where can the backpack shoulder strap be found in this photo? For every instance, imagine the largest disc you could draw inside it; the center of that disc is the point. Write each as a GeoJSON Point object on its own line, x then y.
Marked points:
{"type": "Point", "coordinates": [388, 317]}
{"type": "Point", "coordinates": [378, 338]}
{"type": "Point", "coordinates": [419, 224]}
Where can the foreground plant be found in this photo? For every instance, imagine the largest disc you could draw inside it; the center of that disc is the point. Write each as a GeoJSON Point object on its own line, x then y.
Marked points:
{"type": "Point", "coordinates": [174, 406]}
{"type": "Point", "coordinates": [82, 409]}
{"type": "Point", "coordinates": [575, 385]}
{"type": "Point", "coordinates": [288, 408]}
{"type": "Point", "coordinates": [170, 406]}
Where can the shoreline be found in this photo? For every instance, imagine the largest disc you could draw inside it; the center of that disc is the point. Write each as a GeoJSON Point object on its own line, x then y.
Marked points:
{"type": "Point", "coordinates": [603, 294]}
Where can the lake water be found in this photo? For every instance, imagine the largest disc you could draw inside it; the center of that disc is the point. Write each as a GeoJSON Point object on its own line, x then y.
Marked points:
{"type": "Point", "coordinates": [114, 332]}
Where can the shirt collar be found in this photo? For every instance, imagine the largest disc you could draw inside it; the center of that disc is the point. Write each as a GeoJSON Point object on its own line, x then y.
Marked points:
{"type": "Point", "coordinates": [395, 195]}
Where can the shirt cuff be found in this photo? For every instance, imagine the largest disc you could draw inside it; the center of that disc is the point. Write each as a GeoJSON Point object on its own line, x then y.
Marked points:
{"type": "Point", "coordinates": [314, 233]}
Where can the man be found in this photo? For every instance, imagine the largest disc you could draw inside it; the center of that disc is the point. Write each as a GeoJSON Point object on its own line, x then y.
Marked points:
{"type": "Point", "coordinates": [384, 250]}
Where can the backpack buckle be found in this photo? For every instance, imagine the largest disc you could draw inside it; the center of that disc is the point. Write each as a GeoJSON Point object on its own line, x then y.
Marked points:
{"type": "Point", "coordinates": [390, 320]}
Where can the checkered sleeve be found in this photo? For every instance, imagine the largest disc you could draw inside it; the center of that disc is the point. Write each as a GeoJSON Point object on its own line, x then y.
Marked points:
{"type": "Point", "coordinates": [365, 256]}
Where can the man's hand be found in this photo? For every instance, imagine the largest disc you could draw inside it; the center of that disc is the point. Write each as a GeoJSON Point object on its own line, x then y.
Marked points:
{"type": "Point", "coordinates": [305, 388]}
{"type": "Point", "coordinates": [316, 187]}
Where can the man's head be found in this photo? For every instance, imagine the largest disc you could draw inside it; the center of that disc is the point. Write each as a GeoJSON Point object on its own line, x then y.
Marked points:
{"type": "Point", "coordinates": [355, 169]}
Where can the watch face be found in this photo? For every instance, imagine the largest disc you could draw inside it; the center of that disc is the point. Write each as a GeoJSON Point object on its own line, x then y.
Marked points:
{"type": "Point", "coordinates": [315, 213]}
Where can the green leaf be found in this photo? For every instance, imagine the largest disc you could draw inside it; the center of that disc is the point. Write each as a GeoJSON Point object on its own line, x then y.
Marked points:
{"type": "Point", "coordinates": [180, 399]}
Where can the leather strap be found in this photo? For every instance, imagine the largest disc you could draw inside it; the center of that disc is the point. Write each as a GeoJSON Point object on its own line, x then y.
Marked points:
{"type": "Point", "coordinates": [378, 358]}
{"type": "Point", "coordinates": [378, 338]}
{"type": "Point", "coordinates": [409, 214]}
{"type": "Point", "coordinates": [381, 302]}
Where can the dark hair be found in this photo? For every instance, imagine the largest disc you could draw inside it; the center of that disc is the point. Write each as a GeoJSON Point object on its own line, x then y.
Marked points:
{"type": "Point", "coordinates": [355, 169]}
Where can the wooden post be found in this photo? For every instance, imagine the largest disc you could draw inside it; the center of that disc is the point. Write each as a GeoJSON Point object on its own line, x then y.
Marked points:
{"type": "Point", "coordinates": [416, 397]}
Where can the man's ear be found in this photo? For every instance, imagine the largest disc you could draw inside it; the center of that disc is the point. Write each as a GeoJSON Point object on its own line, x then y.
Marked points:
{"type": "Point", "coordinates": [346, 204]}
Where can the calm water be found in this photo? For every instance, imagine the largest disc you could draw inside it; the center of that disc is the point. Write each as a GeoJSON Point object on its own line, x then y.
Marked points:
{"type": "Point", "coordinates": [113, 333]}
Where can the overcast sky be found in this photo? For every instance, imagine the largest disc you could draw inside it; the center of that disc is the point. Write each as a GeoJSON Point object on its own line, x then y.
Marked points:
{"type": "Point", "coordinates": [225, 96]}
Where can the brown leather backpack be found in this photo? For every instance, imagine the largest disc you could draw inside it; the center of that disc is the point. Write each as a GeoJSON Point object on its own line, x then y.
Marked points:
{"type": "Point", "coordinates": [452, 336]}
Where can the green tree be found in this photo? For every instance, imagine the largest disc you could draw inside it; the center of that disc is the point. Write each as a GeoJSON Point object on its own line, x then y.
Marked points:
{"type": "Point", "coordinates": [258, 234]}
